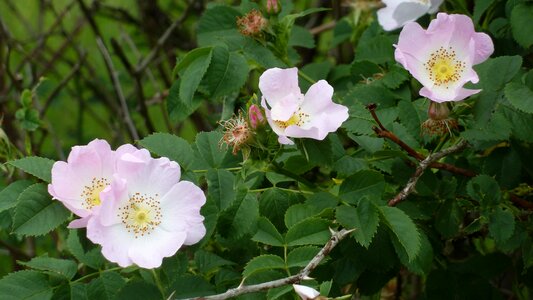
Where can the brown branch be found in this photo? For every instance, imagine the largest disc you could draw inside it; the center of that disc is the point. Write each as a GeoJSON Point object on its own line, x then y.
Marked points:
{"type": "Point", "coordinates": [303, 274]}
{"type": "Point", "coordinates": [383, 132]}
{"type": "Point", "coordinates": [424, 164]}
{"type": "Point", "coordinates": [161, 41]}
{"type": "Point", "coordinates": [111, 71]}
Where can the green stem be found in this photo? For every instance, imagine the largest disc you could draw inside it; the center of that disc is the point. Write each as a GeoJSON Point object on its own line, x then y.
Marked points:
{"type": "Point", "coordinates": [306, 77]}
{"type": "Point", "coordinates": [96, 273]}
{"type": "Point", "coordinates": [158, 283]}
{"type": "Point", "coordinates": [290, 174]}
{"type": "Point", "coordinates": [279, 188]}
{"type": "Point", "coordinates": [228, 169]}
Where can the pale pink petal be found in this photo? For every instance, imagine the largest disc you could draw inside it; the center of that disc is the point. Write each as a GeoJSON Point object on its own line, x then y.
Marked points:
{"type": "Point", "coordinates": [305, 292]}
{"type": "Point", "coordinates": [318, 97]}
{"type": "Point", "coordinates": [277, 83]}
{"type": "Point", "coordinates": [285, 108]}
{"type": "Point", "coordinates": [113, 197]}
{"type": "Point", "coordinates": [115, 241]}
{"type": "Point", "coordinates": [299, 132]}
{"type": "Point", "coordinates": [195, 233]}
{"type": "Point", "coordinates": [386, 20]}
{"type": "Point", "coordinates": [149, 176]}
{"type": "Point", "coordinates": [148, 251]}
{"type": "Point", "coordinates": [484, 47]}
{"type": "Point", "coordinates": [79, 223]}
{"type": "Point", "coordinates": [181, 206]}
{"type": "Point", "coordinates": [284, 140]}
{"type": "Point", "coordinates": [413, 41]}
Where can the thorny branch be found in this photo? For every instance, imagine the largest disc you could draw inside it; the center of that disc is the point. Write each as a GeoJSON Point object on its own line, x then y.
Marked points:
{"type": "Point", "coordinates": [383, 132]}
{"type": "Point", "coordinates": [303, 274]}
{"type": "Point", "coordinates": [424, 164]}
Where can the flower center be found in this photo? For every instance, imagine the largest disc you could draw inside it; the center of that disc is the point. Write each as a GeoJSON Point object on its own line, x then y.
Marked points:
{"type": "Point", "coordinates": [299, 118]}
{"type": "Point", "coordinates": [141, 215]}
{"type": "Point", "coordinates": [443, 67]}
{"type": "Point", "coordinates": [91, 193]}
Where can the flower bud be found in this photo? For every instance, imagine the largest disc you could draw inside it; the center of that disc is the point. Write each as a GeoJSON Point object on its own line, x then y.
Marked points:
{"type": "Point", "coordinates": [438, 111]}
{"type": "Point", "coordinates": [439, 122]}
{"type": "Point", "coordinates": [237, 133]}
{"type": "Point", "coordinates": [255, 116]}
{"type": "Point", "coordinates": [273, 7]}
{"type": "Point", "coordinates": [252, 23]}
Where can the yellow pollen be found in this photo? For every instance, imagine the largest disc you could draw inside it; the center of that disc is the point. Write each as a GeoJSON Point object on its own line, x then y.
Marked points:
{"type": "Point", "coordinates": [141, 214]}
{"type": "Point", "coordinates": [443, 67]}
{"type": "Point", "coordinates": [91, 192]}
{"type": "Point", "coordinates": [298, 118]}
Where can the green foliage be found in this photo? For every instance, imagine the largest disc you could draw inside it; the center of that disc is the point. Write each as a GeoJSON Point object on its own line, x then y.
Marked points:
{"type": "Point", "coordinates": [25, 285]}
{"type": "Point", "coordinates": [39, 167]}
{"type": "Point", "coordinates": [520, 18]}
{"type": "Point", "coordinates": [36, 213]}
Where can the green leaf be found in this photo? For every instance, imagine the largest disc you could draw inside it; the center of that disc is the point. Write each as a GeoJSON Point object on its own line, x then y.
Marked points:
{"type": "Point", "coordinates": [312, 231]}
{"type": "Point", "coordinates": [187, 286]}
{"type": "Point", "coordinates": [227, 73]}
{"type": "Point", "coordinates": [177, 109]}
{"type": "Point", "coordinates": [378, 50]}
{"type": "Point", "coordinates": [171, 146]}
{"type": "Point", "coordinates": [519, 121]}
{"type": "Point", "coordinates": [421, 265]}
{"type": "Point", "coordinates": [411, 116]}
{"type": "Point", "coordinates": [363, 183]}
{"type": "Point", "coordinates": [484, 189]}
{"type": "Point", "coordinates": [317, 152]}
{"type": "Point", "coordinates": [267, 233]}
{"type": "Point", "coordinates": [221, 187]}
{"type": "Point", "coordinates": [106, 286]}
{"type": "Point", "coordinates": [260, 54]}
{"type": "Point", "coordinates": [25, 285]}
{"type": "Point", "coordinates": [39, 167]}
{"type": "Point", "coordinates": [300, 257]}
{"type": "Point", "coordinates": [208, 262]}
{"type": "Point", "coordinates": [520, 96]}
{"type": "Point", "coordinates": [240, 218]}
{"type": "Point", "coordinates": [218, 25]}
{"type": "Point", "coordinates": [497, 129]}
{"type": "Point", "coordinates": [137, 289]}
{"type": "Point", "coordinates": [403, 228]}
{"type": "Point", "coordinates": [300, 36]}
{"type": "Point", "coordinates": [501, 224]}
{"type": "Point", "coordinates": [274, 203]}
{"type": "Point", "coordinates": [193, 74]}
{"type": "Point", "coordinates": [213, 156]}
{"type": "Point", "coordinates": [505, 66]}
{"type": "Point", "coordinates": [521, 17]}
{"type": "Point", "coordinates": [364, 218]}
{"type": "Point", "coordinates": [10, 194]}
{"type": "Point", "coordinates": [63, 267]}
{"type": "Point", "coordinates": [263, 262]}
{"type": "Point", "coordinates": [298, 213]}
{"type": "Point", "coordinates": [36, 213]}
{"type": "Point", "coordinates": [92, 258]}
{"type": "Point", "coordinates": [480, 6]}
{"type": "Point", "coordinates": [449, 218]}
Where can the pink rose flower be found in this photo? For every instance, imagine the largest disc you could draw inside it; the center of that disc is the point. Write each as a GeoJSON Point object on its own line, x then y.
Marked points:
{"type": "Point", "coordinates": [147, 213]}
{"type": "Point", "coordinates": [442, 56]}
{"type": "Point", "coordinates": [397, 13]}
{"type": "Point", "coordinates": [293, 114]}
{"type": "Point", "coordinates": [78, 182]}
